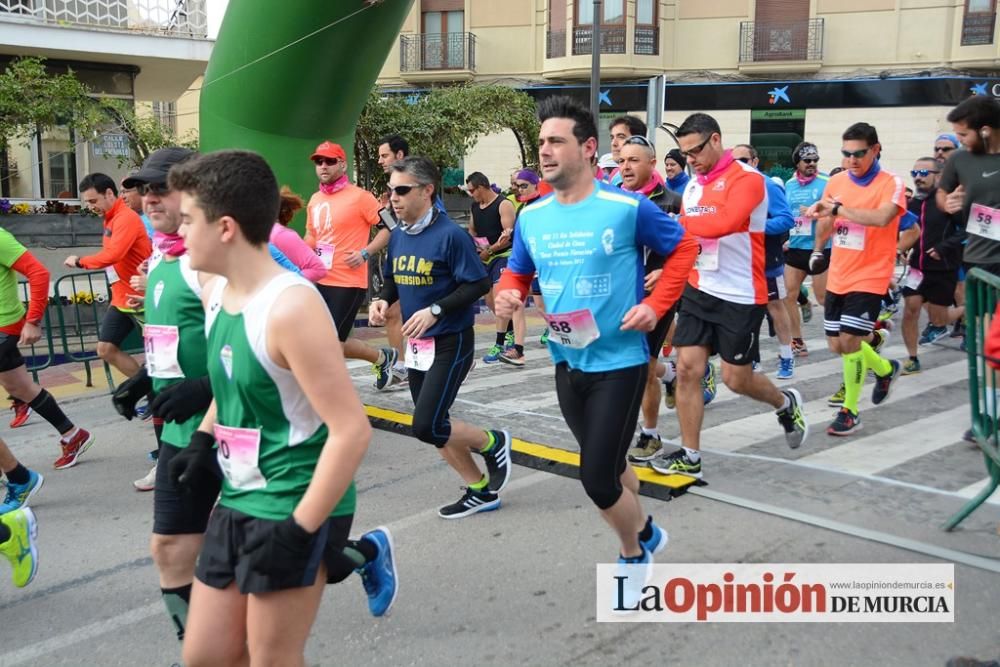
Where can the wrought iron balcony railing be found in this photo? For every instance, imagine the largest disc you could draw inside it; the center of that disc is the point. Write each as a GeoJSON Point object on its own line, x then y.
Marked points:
{"type": "Point", "coordinates": [781, 40]}
{"type": "Point", "coordinates": [555, 44]}
{"type": "Point", "coordinates": [437, 51]}
{"type": "Point", "coordinates": [183, 18]}
{"type": "Point", "coordinates": [647, 40]}
{"type": "Point", "coordinates": [612, 40]}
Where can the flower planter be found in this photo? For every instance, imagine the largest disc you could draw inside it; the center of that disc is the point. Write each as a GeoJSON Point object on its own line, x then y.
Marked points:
{"type": "Point", "coordinates": [54, 230]}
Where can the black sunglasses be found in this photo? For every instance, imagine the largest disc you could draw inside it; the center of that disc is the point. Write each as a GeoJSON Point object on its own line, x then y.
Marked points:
{"type": "Point", "coordinates": [810, 160]}
{"type": "Point", "coordinates": [156, 189]}
{"type": "Point", "coordinates": [638, 139]}
{"type": "Point", "coordinates": [858, 154]}
{"type": "Point", "coordinates": [331, 161]}
{"type": "Point", "coordinates": [522, 186]}
{"type": "Point", "coordinates": [402, 190]}
{"type": "Point", "coordinates": [943, 149]}
{"type": "Point", "coordinates": [922, 173]}
{"type": "Point", "coordinates": [744, 160]}
{"type": "Point", "coordinates": [697, 149]}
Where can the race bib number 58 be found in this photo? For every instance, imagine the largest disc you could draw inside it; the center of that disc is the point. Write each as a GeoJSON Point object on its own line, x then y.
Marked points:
{"type": "Point", "coordinates": [984, 221]}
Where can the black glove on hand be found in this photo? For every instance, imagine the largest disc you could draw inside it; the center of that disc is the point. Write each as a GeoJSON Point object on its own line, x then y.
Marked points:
{"type": "Point", "coordinates": [283, 551]}
{"type": "Point", "coordinates": [196, 464]}
{"type": "Point", "coordinates": [818, 263]}
{"type": "Point", "coordinates": [183, 400]}
{"type": "Point", "coordinates": [130, 392]}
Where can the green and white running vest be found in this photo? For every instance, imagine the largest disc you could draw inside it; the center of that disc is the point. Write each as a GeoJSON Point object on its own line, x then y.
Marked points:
{"type": "Point", "coordinates": [269, 436]}
{"type": "Point", "coordinates": [174, 333]}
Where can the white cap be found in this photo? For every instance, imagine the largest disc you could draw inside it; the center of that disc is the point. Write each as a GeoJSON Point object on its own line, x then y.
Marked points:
{"type": "Point", "coordinates": [607, 162]}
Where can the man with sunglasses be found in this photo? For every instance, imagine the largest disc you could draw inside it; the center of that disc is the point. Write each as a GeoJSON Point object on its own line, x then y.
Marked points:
{"type": "Point", "coordinates": [933, 264]}
{"type": "Point", "coordinates": [725, 208]}
{"type": "Point", "coordinates": [437, 277]}
{"type": "Point", "coordinates": [339, 219]}
{"type": "Point", "coordinates": [803, 190]}
{"type": "Point", "coordinates": [862, 208]}
{"type": "Point", "coordinates": [943, 147]}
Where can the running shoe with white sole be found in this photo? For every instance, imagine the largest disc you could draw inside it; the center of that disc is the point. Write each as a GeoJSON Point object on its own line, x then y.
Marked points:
{"type": "Point", "coordinates": [646, 448]}
{"type": "Point", "coordinates": [793, 419]}
{"type": "Point", "coordinates": [22, 413]}
{"type": "Point", "coordinates": [20, 547]}
{"type": "Point", "coordinates": [383, 371]}
{"type": "Point", "coordinates": [845, 423]}
{"type": "Point", "coordinates": [18, 495]}
{"type": "Point", "coordinates": [472, 502]}
{"type": "Point", "coordinates": [497, 459]}
{"type": "Point", "coordinates": [74, 449]}
{"type": "Point", "coordinates": [677, 463]}
{"type": "Point", "coordinates": [147, 483]}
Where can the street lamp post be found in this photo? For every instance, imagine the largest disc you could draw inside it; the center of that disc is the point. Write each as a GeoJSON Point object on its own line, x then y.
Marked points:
{"type": "Point", "coordinates": [595, 62]}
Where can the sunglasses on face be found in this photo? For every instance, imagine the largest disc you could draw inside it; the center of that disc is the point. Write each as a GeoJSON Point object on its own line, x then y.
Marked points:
{"type": "Point", "coordinates": [744, 160]}
{"type": "Point", "coordinates": [402, 190]}
{"type": "Point", "coordinates": [857, 155]}
{"type": "Point", "coordinates": [638, 139]}
{"type": "Point", "coordinates": [157, 189]}
{"type": "Point", "coordinates": [922, 173]}
{"type": "Point", "coordinates": [810, 160]}
{"type": "Point", "coordinates": [522, 186]}
{"type": "Point", "coordinates": [697, 149]}
{"type": "Point", "coordinates": [330, 161]}
{"type": "Point", "coordinates": [943, 149]}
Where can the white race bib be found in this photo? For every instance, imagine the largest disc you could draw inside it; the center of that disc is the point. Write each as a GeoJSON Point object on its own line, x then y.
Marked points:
{"type": "Point", "coordinates": [161, 343]}
{"type": "Point", "coordinates": [325, 253]}
{"type": "Point", "coordinates": [913, 278]}
{"type": "Point", "coordinates": [708, 255]}
{"type": "Point", "coordinates": [112, 275]}
{"type": "Point", "coordinates": [419, 353]}
{"type": "Point", "coordinates": [576, 329]}
{"type": "Point", "coordinates": [803, 227]}
{"type": "Point", "coordinates": [239, 452]}
{"type": "Point", "coordinates": [984, 221]}
{"type": "Point", "coordinates": [848, 235]}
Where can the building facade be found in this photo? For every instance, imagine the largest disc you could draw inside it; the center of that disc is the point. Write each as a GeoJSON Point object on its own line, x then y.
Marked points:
{"type": "Point", "coordinates": [127, 49]}
{"type": "Point", "coordinates": [771, 71]}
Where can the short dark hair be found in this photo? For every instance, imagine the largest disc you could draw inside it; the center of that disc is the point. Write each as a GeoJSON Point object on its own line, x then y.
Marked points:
{"type": "Point", "coordinates": [477, 179]}
{"type": "Point", "coordinates": [861, 132]}
{"type": "Point", "coordinates": [699, 123]}
{"type": "Point", "coordinates": [236, 183]}
{"type": "Point", "coordinates": [634, 125]}
{"type": "Point", "coordinates": [98, 181]}
{"type": "Point", "coordinates": [976, 112]}
{"type": "Point", "coordinates": [836, 170]}
{"type": "Point", "coordinates": [560, 106]}
{"type": "Point", "coordinates": [751, 149]}
{"type": "Point", "coordinates": [396, 144]}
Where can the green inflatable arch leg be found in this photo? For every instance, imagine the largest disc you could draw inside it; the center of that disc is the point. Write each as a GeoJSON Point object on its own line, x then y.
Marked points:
{"type": "Point", "coordinates": [284, 76]}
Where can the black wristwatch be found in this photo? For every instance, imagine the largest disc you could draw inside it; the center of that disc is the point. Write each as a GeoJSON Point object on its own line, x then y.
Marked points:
{"type": "Point", "coordinates": [835, 209]}
{"type": "Point", "coordinates": [436, 310]}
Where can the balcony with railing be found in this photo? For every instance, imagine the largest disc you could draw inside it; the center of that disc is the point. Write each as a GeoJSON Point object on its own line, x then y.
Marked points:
{"type": "Point", "coordinates": [647, 40]}
{"type": "Point", "coordinates": [442, 56]}
{"type": "Point", "coordinates": [781, 45]}
{"type": "Point", "coordinates": [176, 18]}
{"type": "Point", "coordinates": [612, 40]}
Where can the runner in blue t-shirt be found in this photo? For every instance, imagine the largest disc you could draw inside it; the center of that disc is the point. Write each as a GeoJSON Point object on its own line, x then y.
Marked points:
{"type": "Point", "coordinates": [586, 241]}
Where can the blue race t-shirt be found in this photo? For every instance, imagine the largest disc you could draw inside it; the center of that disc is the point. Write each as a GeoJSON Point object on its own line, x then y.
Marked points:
{"type": "Point", "coordinates": [588, 255]}
{"type": "Point", "coordinates": [804, 195]}
{"type": "Point", "coordinates": [429, 266]}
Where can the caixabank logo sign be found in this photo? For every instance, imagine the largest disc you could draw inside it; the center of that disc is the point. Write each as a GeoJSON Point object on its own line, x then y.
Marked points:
{"type": "Point", "coordinates": [777, 593]}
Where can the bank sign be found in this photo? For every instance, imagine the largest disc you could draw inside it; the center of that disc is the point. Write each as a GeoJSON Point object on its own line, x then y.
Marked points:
{"type": "Point", "coordinates": [832, 94]}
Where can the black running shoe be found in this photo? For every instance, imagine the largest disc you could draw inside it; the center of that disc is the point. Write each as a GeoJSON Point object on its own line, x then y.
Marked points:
{"type": "Point", "coordinates": [383, 371]}
{"type": "Point", "coordinates": [470, 503]}
{"type": "Point", "coordinates": [845, 423]}
{"type": "Point", "coordinates": [793, 419]}
{"type": "Point", "coordinates": [883, 384]}
{"type": "Point", "coordinates": [498, 461]}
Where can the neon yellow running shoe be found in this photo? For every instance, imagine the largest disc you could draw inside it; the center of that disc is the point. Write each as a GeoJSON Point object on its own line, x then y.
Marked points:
{"type": "Point", "coordinates": [19, 548]}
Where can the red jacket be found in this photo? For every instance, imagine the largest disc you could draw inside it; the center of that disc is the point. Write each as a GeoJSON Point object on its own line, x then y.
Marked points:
{"type": "Point", "coordinates": [124, 247]}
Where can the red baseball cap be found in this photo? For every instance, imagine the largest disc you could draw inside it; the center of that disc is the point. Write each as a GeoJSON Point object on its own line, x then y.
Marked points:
{"type": "Point", "coordinates": [330, 150]}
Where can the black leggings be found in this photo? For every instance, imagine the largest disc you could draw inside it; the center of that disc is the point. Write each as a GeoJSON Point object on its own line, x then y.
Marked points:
{"type": "Point", "coordinates": [601, 410]}
{"type": "Point", "coordinates": [434, 390]}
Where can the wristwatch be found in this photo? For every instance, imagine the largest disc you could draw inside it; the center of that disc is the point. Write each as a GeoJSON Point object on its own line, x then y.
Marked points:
{"type": "Point", "coordinates": [436, 310]}
{"type": "Point", "coordinates": [835, 209]}
{"type": "Point", "coordinates": [364, 254]}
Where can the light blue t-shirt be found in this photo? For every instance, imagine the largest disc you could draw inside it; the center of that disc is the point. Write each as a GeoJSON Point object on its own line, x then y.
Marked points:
{"type": "Point", "coordinates": [588, 255]}
{"type": "Point", "coordinates": [804, 195]}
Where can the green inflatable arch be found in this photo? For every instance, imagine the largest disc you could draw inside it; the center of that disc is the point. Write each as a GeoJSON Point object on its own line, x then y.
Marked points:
{"type": "Point", "coordinates": [284, 76]}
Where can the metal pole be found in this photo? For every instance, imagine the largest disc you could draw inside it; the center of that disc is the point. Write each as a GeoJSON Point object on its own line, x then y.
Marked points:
{"type": "Point", "coordinates": [595, 63]}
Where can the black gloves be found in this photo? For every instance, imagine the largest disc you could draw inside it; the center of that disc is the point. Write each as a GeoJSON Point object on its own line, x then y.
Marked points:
{"type": "Point", "coordinates": [283, 551]}
{"type": "Point", "coordinates": [196, 464]}
{"type": "Point", "coordinates": [130, 392]}
{"type": "Point", "coordinates": [183, 400]}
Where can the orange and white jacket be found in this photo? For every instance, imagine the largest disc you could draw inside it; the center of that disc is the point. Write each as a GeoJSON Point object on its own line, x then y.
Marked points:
{"type": "Point", "coordinates": [727, 216]}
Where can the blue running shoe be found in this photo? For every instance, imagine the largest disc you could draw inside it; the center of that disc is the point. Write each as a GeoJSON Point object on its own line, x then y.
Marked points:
{"type": "Point", "coordinates": [708, 389]}
{"type": "Point", "coordinates": [143, 411]}
{"type": "Point", "coordinates": [634, 574]}
{"type": "Point", "coordinates": [379, 576]}
{"type": "Point", "coordinates": [493, 356]}
{"type": "Point", "coordinates": [19, 494]}
{"type": "Point", "coordinates": [658, 541]}
{"type": "Point", "coordinates": [786, 368]}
